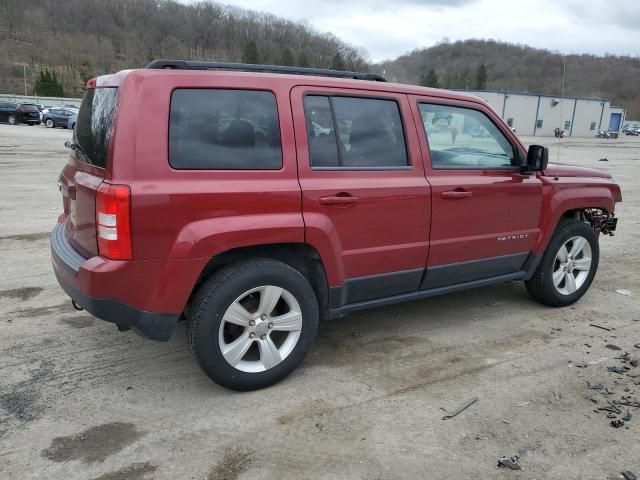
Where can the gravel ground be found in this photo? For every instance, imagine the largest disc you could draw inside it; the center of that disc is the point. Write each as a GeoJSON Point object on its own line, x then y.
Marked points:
{"type": "Point", "coordinates": [79, 400]}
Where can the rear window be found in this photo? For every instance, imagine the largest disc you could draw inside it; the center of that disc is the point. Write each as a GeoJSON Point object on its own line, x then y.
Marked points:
{"type": "Point", "coordinates": [224, 130]}
{"type": "Point", "coordinates": [27, 107]}
{"type": "Point", "coordinates": [93, 126]}
{"type": "Point", "coordinates": [354, 132]}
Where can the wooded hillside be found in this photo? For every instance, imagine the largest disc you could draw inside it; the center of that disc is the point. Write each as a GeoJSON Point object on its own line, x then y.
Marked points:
{"type": "Point", "coordinates": [523, 69]}
{"type": "Point", "coordinates": [78, 39]}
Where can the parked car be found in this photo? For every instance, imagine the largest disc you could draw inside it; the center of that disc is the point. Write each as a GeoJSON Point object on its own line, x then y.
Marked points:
{"type": "Point", "coordinates": [14, 113]}
{"type": "Point", "coordinates": [58, 117]}
{"type": "Point", "coordinates": [71, 122]}
{"type": "Point", "coordinates": [256, 205]}
{"type": "Point", "coordinates": [631, 129]}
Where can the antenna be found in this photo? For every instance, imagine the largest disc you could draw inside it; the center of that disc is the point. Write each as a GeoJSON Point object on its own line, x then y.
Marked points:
{"type": "Point", "coordinates": [564, 70]}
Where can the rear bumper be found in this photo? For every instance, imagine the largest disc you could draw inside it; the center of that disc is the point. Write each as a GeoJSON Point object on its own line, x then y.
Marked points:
{"type": "Point", "coordinates": [78, 275]}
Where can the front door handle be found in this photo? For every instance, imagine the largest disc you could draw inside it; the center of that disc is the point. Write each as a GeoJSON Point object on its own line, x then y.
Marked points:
{"type": "Point", "coordinates": [456, 194]}
{"type": "Point", "coordinates": [339, 199]}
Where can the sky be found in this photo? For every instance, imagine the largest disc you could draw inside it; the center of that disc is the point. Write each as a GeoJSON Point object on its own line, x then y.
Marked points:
{"type": "Point", "coordinates": [386, 29]}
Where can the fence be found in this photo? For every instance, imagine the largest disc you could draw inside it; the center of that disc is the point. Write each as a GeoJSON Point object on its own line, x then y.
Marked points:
{"type": "Point", "coordinates": [46, 101]}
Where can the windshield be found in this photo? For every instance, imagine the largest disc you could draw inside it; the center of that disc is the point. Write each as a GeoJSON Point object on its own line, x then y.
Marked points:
{"type": "Point", "coordinates": [93, 127]}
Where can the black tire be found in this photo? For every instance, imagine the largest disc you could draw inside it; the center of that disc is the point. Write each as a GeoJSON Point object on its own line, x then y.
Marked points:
{"type": "Point", "coordinates": [50, 123]}
{"type": "Point", "coordinates": [541, 286]}
{"type": "Point", "coordinates": [219, 292]}
{"type": "Point", "coordinates": [12, 120]}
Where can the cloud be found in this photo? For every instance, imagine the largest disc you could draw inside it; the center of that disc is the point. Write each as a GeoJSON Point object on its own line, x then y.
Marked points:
{"type": "Point", "coordinates": [387, 29]}
{"type": "Point", "coordinates": [593, 12]}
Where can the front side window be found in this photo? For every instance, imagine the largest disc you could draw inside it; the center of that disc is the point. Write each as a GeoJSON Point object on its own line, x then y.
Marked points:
{"type": "Point", "coordinates": [354, 132]}
{"type": "Point", "coordinates": [224, 130]}
{"type": "Point", "coordinates": [462, 138]}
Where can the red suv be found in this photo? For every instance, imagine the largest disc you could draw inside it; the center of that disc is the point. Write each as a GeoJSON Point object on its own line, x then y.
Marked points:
{"type": "Point", "coordinates": [255, 203]}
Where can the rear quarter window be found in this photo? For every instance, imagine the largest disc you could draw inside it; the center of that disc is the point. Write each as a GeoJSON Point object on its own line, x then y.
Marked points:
{"type": "Point", "coordinates": [216, 129]}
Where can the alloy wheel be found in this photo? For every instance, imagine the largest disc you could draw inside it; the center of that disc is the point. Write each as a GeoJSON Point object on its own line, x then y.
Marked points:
{"type": "Point", "coordinates": [572, 265]}
{"type": "Point", "coordinates": [260, 329]}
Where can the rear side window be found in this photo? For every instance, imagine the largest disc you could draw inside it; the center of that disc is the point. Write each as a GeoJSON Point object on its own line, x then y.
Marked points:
{"type": "Point", "coordinates": [214, 129]}
{"type": "Point", "coordinates": [93, 126]}
{"type": "Point", "coordinates": [354, 132]}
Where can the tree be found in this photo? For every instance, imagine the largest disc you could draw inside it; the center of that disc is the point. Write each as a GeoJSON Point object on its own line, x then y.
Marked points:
{"type": "Point", "coordinates": [250, 53]}
{"type": "Point", "coordinates": [481, 78]}
{"type": "Point", "coordinates": [47, 85]}
{"type": "Point", "coordinates": [303, 60]}
{"type": "Point", "coordinates": [337, 62]}
{"type": "Point", "coordinates": [464, 80]}
{"type": "Point", "coordinates": [430, 79]}
{"type": "Point", "coordinates": [451, 80]}
{"type": "Point", "coordinates": [287, 57]}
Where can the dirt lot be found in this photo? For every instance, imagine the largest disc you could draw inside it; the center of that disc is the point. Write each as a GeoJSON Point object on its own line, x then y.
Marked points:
{"type": "Point", "coordinates": [80, 400]}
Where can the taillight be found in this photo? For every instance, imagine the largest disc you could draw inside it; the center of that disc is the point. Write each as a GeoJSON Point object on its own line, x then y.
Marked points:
{"type": "Point", "coordinates": [113, 221]}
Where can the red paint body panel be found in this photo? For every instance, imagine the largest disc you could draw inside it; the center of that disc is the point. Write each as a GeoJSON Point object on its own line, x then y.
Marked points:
{"type": "Point", "coordinates": [148, 285]}
{"type": "Point", "coordinates": [501, 202]}
{"type": "Point", "coordinates": [562, 170]}
{"type": "Point", "coordinates": [572, 193]}
{"type": "Point", "coordinates": [387, 229]}
{"type": "Point", "coordinates": [180, 219]}
{"type": "Point", "coordinates": [78, 184]}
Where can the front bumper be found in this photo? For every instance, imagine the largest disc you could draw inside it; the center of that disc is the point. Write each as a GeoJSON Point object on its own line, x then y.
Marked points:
{"type": "Point", "coordinates": [67, 265]}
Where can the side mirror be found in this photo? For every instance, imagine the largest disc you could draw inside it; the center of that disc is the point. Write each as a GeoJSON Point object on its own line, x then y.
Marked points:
{"type": "Point", "coordinates": [537, 158]}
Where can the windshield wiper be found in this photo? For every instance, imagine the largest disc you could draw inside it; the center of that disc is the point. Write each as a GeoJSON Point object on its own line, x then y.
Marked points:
{"type": "Point", "coordinates": [74, 146]}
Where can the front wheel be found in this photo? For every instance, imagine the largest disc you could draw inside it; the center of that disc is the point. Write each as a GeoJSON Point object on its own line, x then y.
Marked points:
{"type": "Point", "coordinates": [568, 265]}
{"type": "Point", "coordinates": [12, 120]}
{"type": "Point", "coordinates": [252, 323]}
{"type": "Point", "coordinates": [49, 123]}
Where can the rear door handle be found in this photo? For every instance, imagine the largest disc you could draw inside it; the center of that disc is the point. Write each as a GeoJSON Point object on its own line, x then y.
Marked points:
{"type": "Point", "coordinates": [456, 194]}
{"type": "Point", "coordinates": [339, 199]}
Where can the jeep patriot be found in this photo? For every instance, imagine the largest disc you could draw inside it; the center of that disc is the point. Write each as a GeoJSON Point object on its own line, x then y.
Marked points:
{"type": "Point", "coordinates": [254, 201]}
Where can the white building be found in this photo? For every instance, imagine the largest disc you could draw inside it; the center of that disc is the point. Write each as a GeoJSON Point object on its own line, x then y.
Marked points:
{"type": "Point", "coordinates": [532, 114]}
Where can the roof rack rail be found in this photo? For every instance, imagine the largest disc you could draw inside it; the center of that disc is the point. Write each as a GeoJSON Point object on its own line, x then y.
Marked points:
{"type": "Point", "coordinates": [250, 67]}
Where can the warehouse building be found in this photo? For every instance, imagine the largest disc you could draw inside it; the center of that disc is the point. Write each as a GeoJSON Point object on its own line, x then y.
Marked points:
{"type": "Point", "coordinates": [540, 115]}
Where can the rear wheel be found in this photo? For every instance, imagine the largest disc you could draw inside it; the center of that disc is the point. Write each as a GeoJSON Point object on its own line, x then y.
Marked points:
{"type": "Point", "coordinates": [12, 120]}
{"type": "Point", "coordinates": [50, 123]}
{"type": "Point", "coordinates": [252, 323]}
{"type": "Point", "coordinates": [568, 265]}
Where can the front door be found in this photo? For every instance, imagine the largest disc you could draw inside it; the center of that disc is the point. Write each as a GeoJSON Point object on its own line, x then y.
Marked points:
{"type": "Point", "coordinates": [365, 198]}
{"type": "Point", "coordinates": [486, 214]}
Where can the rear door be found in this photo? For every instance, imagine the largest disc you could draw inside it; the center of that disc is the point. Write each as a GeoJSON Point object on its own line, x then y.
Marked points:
{"type": "Point", "coordinates": [85, 170]}
{"type": "Point", "coordinates": [5, 108]}
{"type": "Point", "coordinates": [364, 192]}
{"type": "Point", "coordinates": [59, 117]}
{"type": "Point", "coordinates": [486, 213]}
